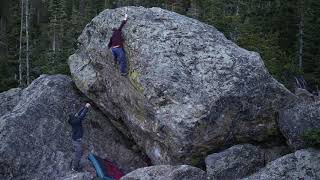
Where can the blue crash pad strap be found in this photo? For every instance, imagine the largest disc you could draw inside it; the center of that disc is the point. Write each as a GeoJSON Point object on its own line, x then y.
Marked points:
{"type": "Point", "coordinates": [98, 168]}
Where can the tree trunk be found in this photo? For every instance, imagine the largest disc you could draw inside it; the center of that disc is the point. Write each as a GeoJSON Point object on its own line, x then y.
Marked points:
{"type": "Point", "coordinates": [38, 16]}
{"type": "Point", "coordinates": [3, 37]}
{"type": "Point", "coordinates": [236, 33]}
{"type": "Point", "coordinates": [237, 11]}
{"type": "Point", "coordinates": [301, 33]}
{"type": "Point", "coordinates": [194, 9]}
{"type": "Point", "coordinates": [82, 7]}
{"type": "Point", "coordinates": [20, 48]}
{"type": "Point", "coordinates": [54, 36]}
{"type": "Point", "coordinates": [173, 5]}
{"type": "Point", "coordinates": [27, 42]}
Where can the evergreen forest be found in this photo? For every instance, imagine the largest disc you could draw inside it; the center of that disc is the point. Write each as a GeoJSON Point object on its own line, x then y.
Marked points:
{"type": "Point", "coordinates": [38, 36]}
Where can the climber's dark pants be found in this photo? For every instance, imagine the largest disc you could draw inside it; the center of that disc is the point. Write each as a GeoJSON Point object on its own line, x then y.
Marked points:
{"type": "Point", "coordinates": [120, 56]}
{"type": "Point", "coordinates": [77, 145]}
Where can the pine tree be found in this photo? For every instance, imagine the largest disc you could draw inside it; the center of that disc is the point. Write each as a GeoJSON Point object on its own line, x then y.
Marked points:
{"type": "Point", "coordinates": [9, 64]}
{"type": "Point", "coordinates": [56, 29]}
{"type": "Point", "coordinates": [311, 56]}
{"type": "Point", "coordinates": [270, 27]}
{"type": "Point", "coordinates": [20, 41]}
{"type": "Point", "coordinates": [27, 15]}
{"type": "Point", "coordinates": [193, 9]}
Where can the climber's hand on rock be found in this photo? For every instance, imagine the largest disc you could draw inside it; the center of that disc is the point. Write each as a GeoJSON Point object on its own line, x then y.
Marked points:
{"type": "Point", "coordinates": [88, 105]}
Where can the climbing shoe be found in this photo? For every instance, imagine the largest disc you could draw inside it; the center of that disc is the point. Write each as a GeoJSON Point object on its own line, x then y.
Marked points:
{"type": "Point", "coordinates": [76, 169]}
{"type": "Point", "coordinates": [124, 74]}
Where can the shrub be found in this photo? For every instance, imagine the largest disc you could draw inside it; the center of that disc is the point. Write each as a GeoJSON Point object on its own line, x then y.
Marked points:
{"type": "Point", "coordinates": [312, 138]}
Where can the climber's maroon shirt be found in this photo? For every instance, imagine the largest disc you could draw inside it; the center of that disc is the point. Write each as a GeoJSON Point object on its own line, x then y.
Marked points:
{"type": "Point", "coordinates": [116, 39]}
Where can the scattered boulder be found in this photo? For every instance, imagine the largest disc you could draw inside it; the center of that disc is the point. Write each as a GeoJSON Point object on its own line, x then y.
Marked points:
{"type": "Point", "coordinates": [9, 100]}
{"type": "Point", "coordinates": [305, 95]}
{"type": "Point", "coordinates": [275, 152]}
{"type": "Point", "coordinates": [303, 164]}
{"type": "Point", "coordinates": [236, 162]}
{"type": "Point", "coordinates": [35, 136]}
{"type": "Point", "coordinates": [167, 172]}
{"type": "Point", "coordinates": [301, 118]}
{"type": "Point", "coordinates": [190, 91]}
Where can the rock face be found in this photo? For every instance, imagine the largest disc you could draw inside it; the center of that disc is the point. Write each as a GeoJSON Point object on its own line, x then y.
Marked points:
{"type": "Point", "coordinates": [189, 90]}
{"type": "Point", "coordinates": [236, 162]}
{"type": "Point", "coordinates": [167, 172]}
{"type": "Point", "coordinates": [303, 164]}
{"type": "Point", "coordinates": [35, 136]}
{"type": "Point", "coordinates": [9, 100]}
{"type": "Point", "coordinates": [301, 118]}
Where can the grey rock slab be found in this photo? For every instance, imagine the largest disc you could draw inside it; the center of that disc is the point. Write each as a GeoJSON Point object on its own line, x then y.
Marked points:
{"type": "Point", "coordinates": [189, 91]}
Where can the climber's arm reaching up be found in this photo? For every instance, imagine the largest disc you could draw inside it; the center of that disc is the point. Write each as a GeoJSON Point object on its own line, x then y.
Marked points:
{"type": "Point", "coordinates": [123, 22]}
{"type": "Point", "coordinates": [82, 113]}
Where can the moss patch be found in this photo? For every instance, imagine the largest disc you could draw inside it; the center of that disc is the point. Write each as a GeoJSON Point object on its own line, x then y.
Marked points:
{"type": "Point", "coordinates": [140, 115]}
{"type": "Point", "coordinates": [197, 161]}
{"type": "Point", "coordinates": [312, 138]}
{"type": "Point", "coordinates": [133, 77]}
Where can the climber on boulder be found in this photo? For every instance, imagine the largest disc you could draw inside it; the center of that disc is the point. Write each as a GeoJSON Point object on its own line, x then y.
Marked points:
{"type": "Point", "coordinates": [116, 45]}
{"type": "Point", "coordinates": [75, 120]}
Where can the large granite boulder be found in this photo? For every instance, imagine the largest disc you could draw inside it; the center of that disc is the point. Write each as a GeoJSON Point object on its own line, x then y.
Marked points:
{"type": "Point", "coordinates": [304, 116]}
{"type": "Point", "coordinates": [303, 164]}
{"type": "Point", "coordinates": [35, 136]}
{"type": "Point", "coordinates": [236, 162]}
{"type": "Point", "coordinates": [190, 91]}
{"type": "Point", "coordinates": [166, 172]}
